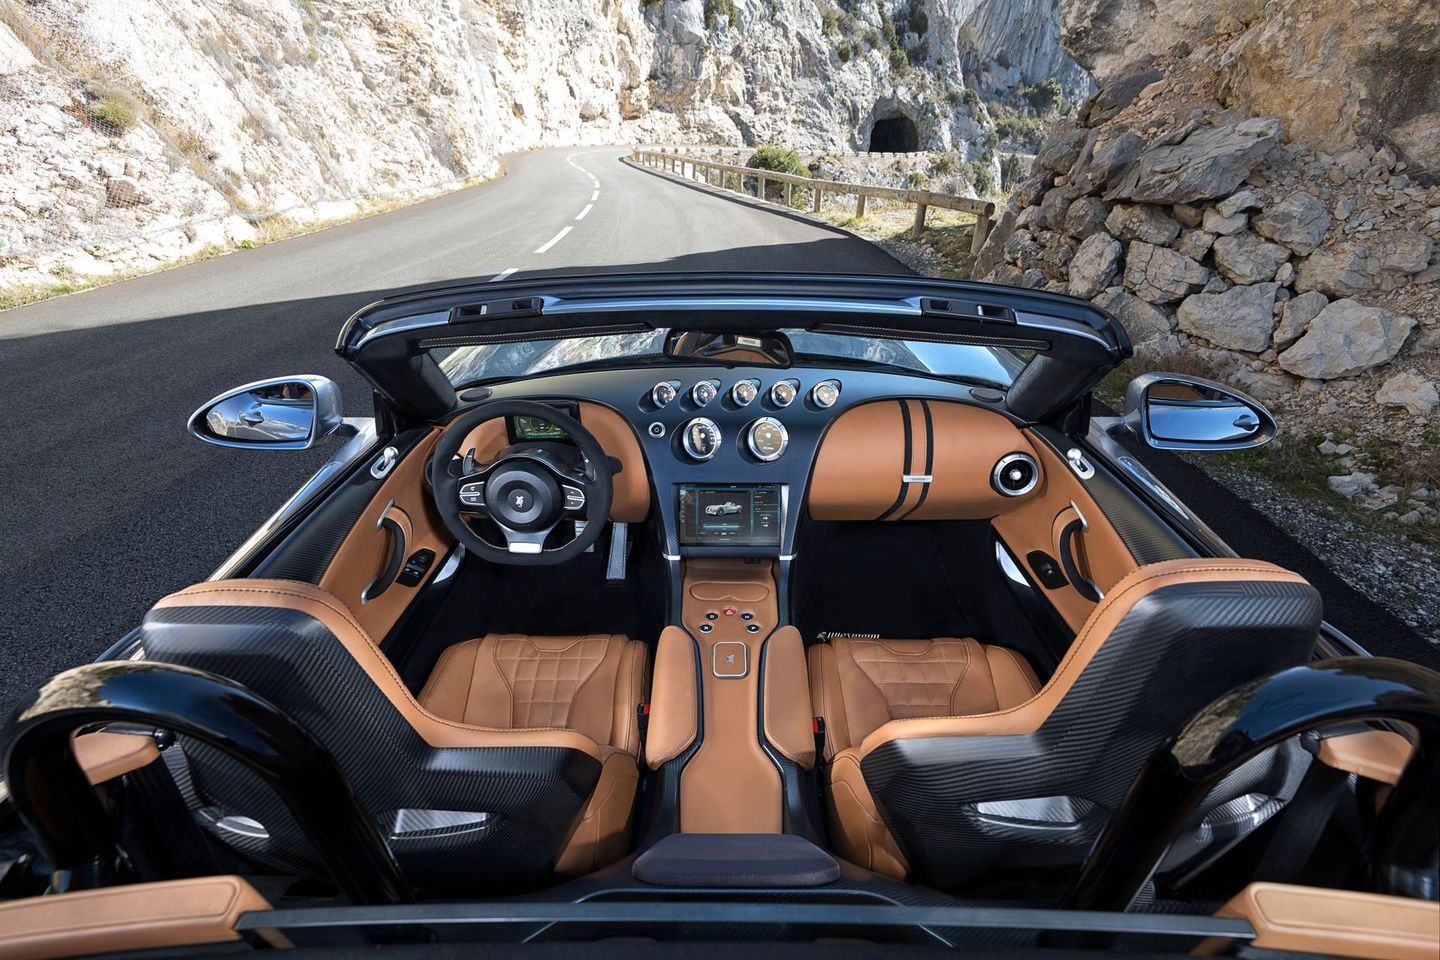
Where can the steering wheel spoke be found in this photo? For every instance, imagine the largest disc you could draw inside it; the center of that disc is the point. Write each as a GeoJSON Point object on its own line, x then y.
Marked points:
{"type": "Point", "coordinates": [528, 492]}
{"type": "Point", "coordinates": [472, 496]}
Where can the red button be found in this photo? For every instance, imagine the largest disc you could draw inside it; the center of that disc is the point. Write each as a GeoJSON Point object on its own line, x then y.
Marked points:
{"type": "Point", "coordinates": [728, 611]}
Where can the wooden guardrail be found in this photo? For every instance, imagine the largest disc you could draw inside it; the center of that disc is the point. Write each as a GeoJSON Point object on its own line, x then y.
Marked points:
{"type": "Point", "coordinates": [694, 168]}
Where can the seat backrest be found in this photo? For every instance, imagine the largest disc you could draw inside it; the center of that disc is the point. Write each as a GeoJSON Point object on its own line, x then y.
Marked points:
{"type": "Point", "coordinates": [462, 806]}
{"type": "Point", "coordinates": [1033, 785]}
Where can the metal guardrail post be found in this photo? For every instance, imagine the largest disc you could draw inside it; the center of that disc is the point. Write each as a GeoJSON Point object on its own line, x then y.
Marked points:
{"type": "Point", "coordinates": [859, 206]}
{"type": "Point", "coordinates": [818, 194]}
{"type": "Point", "coordinates": [788, 185]}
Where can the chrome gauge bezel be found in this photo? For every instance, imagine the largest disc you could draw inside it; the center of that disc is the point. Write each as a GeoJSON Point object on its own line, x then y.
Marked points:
{"type": "Point", "coordinates": [689, 447]}
{"type": "Point", "coordinates": [740, 401]}
{"type": "Point", "coordinates": [775, 395]}
{"type": "Point", "coordinates": [815, 394]}
{"type": "Point", "coordinates": [695, 391]}
{"type": "Point", "coordinates": [999, 469]}
{"type": "Point", "coordinates": [754, 449]}
{"type": "Point", "coordinates": [655, 393]}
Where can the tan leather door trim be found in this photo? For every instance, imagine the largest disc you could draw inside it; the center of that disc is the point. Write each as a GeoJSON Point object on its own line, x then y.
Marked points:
{"type": "Point", "coordinates": [141, 916]}
{"type": "Point", "coordinates": [365, 550]}
{"type": "Point", "coordinates": [1035, 522]}
{"type": "Point", "coordinates": [1340, 923]}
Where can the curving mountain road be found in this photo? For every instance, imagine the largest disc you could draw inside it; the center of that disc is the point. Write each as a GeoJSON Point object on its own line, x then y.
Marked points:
{"type": "Point", "coordinates": [109, 505]}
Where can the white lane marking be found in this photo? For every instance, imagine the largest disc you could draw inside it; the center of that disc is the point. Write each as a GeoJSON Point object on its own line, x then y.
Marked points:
{"type": "Point", "coordinates": [588, 208]}
{"type": "Point", "coordinates": [595, 196]}
{"type": "Point", "coordinates": [553, 240]}
{"type": "Point", "coordinates": [502, 274]}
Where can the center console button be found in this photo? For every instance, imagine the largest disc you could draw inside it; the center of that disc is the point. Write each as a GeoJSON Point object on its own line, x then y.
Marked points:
{"type": "Point", "coordinates": [747, 615]}
{"type": "Point", "coordinates": [711, 615]}
{"type": "Point", "coordinates": [753, 628]}
{"type": "Point", "coordinates": [706, 628]}
{"type": "Point", "coordinates": [729, 611]}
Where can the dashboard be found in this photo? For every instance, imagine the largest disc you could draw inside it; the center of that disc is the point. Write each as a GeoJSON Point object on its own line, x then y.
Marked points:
{"type": "Point", "coordinates": [735, 455]}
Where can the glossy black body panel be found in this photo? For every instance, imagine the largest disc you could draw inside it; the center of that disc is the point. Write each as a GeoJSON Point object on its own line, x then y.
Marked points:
{"type": "Point", "coordinates": [73, 828]}
{"type": "Point", "coordinates": [1238, 726]}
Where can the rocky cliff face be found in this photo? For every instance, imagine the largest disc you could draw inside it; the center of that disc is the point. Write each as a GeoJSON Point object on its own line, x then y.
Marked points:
{"type": "Point", "coordinates": [256, 106]}
{"type": "Point", "coordinates": [1338, 71]}
{"type": "Point", "coordinates": [1310, 276]}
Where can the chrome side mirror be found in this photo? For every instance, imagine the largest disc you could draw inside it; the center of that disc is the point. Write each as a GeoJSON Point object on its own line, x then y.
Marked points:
{"type": "Point", "coordinates": [1170, 411]}
{"type": "Point", "coordinates": [286, 413]}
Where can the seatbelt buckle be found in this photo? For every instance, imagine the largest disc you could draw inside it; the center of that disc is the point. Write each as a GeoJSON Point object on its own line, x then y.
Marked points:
{"type": "Point", "coordinates": [642, 720]}
{"type": "Point", "coordinates": [817, 727]}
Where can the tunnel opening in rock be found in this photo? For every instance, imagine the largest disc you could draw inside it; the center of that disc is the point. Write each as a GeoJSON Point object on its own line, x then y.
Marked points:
{"type": "Point", "coordinates": [897, 134]}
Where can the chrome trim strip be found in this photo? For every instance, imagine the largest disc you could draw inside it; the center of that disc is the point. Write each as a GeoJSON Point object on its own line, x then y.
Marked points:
{"type": "Point", "coordinates": [356, 448]}
{"type": "Point", "coordinates": [420, 321]}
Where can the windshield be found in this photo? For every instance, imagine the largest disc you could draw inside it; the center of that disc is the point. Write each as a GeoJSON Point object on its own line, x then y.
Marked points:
{"type": "Point", "coordinates": [507, 361]}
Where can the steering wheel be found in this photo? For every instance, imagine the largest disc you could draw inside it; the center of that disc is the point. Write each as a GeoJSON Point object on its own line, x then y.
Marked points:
{"type": "Point", "coordinates": [528, 491]}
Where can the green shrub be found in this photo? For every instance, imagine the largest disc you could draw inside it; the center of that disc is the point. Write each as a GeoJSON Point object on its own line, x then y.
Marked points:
{"type": "Point", "coordinates": [844, 50]}
{"type": "Point", "coordinates": [110, 109]}
{"type": "Point", "coordinates": [1012, 171]}
{"type": "Point", "coordinates": [898, 59]}
{"type": "Point", "coordinates": [717, 9]}
{"type": "Point", "coordinates": [954, 97]}
{"type": "Point", "coordinates": [829, 21]}
{"type": "Point", "coordinates": [982, 179]}
{"type": "Point", "coordinates": [1044, 96]}
{"type": "Point", "coordinates": [871, 36]}
{"type": "Point", "coordinates": [781, 160]}
{"type": "Point", "coordinates": [915, 180]}
{"type": "Point", "coordinates": [945, 165]}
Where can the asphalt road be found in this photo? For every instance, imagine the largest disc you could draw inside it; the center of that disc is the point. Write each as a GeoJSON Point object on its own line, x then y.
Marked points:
{"type": "Point", "coordinates": [109, 505]}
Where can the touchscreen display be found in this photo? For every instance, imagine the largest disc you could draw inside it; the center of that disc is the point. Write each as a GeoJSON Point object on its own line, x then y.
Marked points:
{"type": "Point", "coordinates": [729, 514]}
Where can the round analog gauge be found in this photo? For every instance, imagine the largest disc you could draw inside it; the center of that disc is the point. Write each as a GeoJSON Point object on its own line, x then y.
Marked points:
{"type": "Point", "coordinates": [825, 393]}
{"type": "Point", "coordinates": [744, 392]}
{"type": "Point", "coordinates": [701, 438]}
{"type": "Point", "coordinates": [703, 392]}
{"type": "Point", "coordinates": [783, 393]}
{"type": "Point", "coordinates": [767, 438]}
{"type": "Point", "coordinates": [662, 393]}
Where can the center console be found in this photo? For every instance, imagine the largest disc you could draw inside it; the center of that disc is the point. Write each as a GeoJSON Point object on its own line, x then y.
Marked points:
{"type": "Point", "coordinates": [729, 606]}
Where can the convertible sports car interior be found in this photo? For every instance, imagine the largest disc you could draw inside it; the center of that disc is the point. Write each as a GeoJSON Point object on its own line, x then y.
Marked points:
{"type": "Point", "coordinates": [735, 587]}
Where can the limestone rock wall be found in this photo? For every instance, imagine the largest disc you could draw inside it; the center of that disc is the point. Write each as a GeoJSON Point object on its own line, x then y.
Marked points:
{"type": "Point", "coordinates": [244, 108]}
{"type": "Point", "coordinates": [1309, 277]}
{"type": "Point", "coordinates": [1338, 71]}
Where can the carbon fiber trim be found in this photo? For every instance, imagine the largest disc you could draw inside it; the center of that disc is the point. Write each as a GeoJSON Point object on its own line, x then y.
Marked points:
{"type": "Point", "coordinates": [1175, 651]}
{"type": "Point", "coordinates": [295, 661]}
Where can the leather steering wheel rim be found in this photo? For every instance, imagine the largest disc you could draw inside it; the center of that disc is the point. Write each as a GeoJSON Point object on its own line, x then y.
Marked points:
{"type": "Point", "coordinates": [445, 488]}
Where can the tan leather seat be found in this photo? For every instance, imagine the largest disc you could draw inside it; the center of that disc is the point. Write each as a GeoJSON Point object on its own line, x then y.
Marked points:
{"type": "Point", "coordinates": [516, 761]}
{"type": "Point", "coordinates": [860, 684]}
{"type": "Point", "coordinates": [592, 685]}
{"type": "Point", "coordinates": [949, 762]}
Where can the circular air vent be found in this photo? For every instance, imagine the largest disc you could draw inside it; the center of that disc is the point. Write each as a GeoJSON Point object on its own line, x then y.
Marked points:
{"type": "Point", "coordinates": [1015, 474]}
